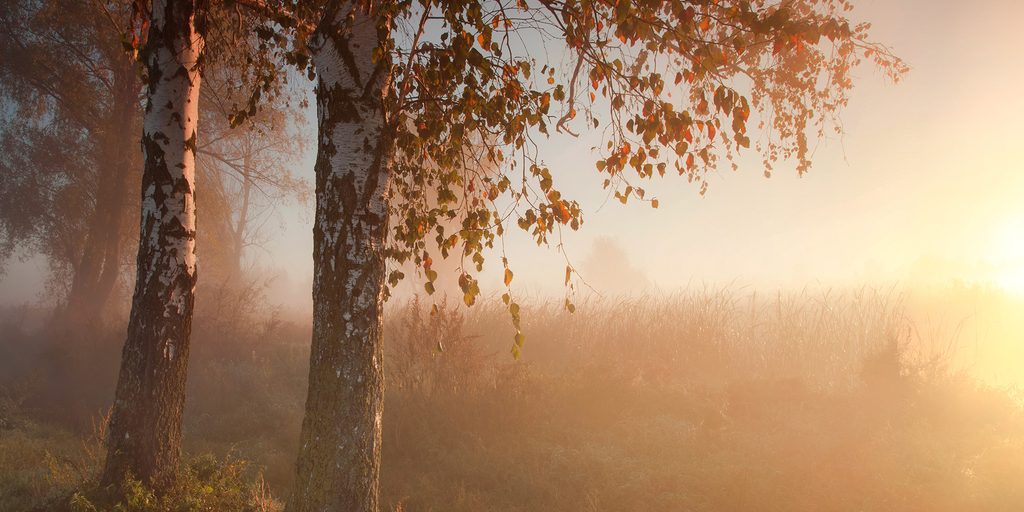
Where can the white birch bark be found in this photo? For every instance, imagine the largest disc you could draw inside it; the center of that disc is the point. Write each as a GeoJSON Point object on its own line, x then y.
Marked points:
{"type": "Point", "coordinates": [339, 457]}
{"type": "Point", "coordinates": [145, 424]}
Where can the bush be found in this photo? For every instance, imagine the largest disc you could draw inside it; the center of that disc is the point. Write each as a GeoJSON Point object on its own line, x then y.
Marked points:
{"type": "Point", "coordinates": [204, 484]}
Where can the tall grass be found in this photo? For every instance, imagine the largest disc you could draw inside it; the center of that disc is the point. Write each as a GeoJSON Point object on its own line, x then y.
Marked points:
{"type": "Point", "coordinates": [708, 336]}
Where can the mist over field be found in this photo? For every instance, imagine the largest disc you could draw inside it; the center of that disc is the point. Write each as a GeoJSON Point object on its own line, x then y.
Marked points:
{"type": "Point", "coordinates": [697, 400]}
{"type": "Point", "coordinates": [553, 256]}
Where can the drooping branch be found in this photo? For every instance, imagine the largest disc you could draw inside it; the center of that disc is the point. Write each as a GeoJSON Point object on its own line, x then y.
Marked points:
{"type": "Point", "coordinates": [277, 13]}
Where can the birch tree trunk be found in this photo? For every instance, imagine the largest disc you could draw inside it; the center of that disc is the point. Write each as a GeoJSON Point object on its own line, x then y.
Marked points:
{"type": "Point", "coordinates": [339, 457]}
{"type": "Point", "coordinates": [145, 424]}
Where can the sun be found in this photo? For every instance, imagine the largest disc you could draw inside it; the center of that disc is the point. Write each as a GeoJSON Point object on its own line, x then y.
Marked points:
{"type": "Point", "coordinates": [1007, 256]}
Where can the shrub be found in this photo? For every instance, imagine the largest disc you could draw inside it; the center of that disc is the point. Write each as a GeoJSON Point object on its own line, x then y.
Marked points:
{"type": "Point", "coordinates": [204, 484]}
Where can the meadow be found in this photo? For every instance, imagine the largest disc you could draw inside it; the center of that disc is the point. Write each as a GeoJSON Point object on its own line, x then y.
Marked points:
{"type": "Point", "coordinates": [710, 399]}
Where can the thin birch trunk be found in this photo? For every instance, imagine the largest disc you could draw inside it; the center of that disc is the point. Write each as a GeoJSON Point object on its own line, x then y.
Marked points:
{"type": "Point", "coordinates": [239, 233]}
{"type": "Point", "coordinates": [145, 423]}
{"type": "Point", "coordinates": [339, 457]}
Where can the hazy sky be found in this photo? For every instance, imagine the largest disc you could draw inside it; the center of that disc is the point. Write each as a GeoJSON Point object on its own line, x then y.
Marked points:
{"type": "Point", "coordinates": [926, 183]}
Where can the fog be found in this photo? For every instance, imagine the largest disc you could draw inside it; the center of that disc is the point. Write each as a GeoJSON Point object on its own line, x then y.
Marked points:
{"type": "Point", "coordinates": [847, 339]}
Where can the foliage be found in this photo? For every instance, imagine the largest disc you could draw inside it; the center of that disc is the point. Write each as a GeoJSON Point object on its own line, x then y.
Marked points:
{"type": "Point", "coordinates": [205, 484]}
{"type": "Point", "coordinates": [48, 468]}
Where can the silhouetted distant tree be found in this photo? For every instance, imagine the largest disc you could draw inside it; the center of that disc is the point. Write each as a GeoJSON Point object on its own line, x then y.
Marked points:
{"type": "Point", "coordinates": [248, 169]}
{"type": "Point", "coordinates": [72, 102]}
{"type": "Point", "coordinates": [609, 270]}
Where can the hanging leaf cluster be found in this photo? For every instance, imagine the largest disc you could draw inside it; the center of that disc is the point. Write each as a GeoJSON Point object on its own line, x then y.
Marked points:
{"type": "Point", "coordinates": [670, 86]}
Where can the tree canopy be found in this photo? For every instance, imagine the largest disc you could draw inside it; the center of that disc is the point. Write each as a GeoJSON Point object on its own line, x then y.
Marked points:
{"type": "Point", "coordinates": [72, 98]}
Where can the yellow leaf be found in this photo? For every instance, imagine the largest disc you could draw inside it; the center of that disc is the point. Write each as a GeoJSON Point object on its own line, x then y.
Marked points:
{"type": "Point", "coordinates": [508, 277]}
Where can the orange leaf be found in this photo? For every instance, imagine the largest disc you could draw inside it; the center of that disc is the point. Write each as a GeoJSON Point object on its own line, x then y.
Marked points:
{"type": "Point", "coordinates": [563, 213]}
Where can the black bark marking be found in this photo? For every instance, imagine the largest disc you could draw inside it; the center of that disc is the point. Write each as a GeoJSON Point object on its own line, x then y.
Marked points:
{"type": "Point", "coordinates": [341, 43]}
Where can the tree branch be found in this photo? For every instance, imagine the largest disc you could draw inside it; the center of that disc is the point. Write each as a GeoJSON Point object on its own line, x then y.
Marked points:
{"type": "Point", "coordinates": [276, 13]}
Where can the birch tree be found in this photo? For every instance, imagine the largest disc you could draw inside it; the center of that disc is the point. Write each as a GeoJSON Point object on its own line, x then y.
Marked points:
{"type": "Point", "coordinates": [185, 38]}
{"type": "Point", "coordinates": [72, 102]}
{"type": "Point", "coordinates": [415, 97]}
{"type": "Point", "coordinates": [145, 422]}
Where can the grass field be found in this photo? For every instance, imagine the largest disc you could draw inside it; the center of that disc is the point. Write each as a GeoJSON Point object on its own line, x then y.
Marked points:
{"type": "Point", "coordinates": [709, 400]}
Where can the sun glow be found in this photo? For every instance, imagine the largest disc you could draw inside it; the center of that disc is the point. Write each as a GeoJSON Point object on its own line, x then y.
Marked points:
{"type": "Point", "coordinates": [1008, 256]}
